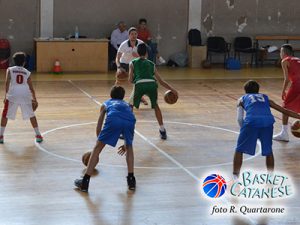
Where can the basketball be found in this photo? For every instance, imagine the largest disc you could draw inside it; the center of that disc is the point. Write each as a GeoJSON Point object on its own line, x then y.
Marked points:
{"type": "Point", "coordinates": [206, 64]}
{"type": "Point", "coordinates": [214, 186]}
{"type": "Point", "coordinates": [295, 128]}
{"type": "Point", "coordinates": [86, 157]}
{"type": "Point", "coordinates": [34, 105]}
{"type": "Point", "coordinates": [170, 97]}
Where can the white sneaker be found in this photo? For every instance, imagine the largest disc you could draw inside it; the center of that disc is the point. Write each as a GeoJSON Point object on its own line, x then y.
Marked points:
{"type": "Point", "coordinates": [161, 60]}
{"type": "Point", "coordinates": [283, 136]}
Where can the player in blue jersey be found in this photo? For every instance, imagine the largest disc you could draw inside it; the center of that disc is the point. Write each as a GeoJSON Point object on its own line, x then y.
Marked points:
{"type": "Point", "coordinates": [119, 120]}
{"type": "Point", "coordinates": [257, 125]}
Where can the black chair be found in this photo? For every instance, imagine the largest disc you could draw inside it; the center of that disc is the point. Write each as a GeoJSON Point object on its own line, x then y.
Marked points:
{"type": "Point", "coordinates": [244, 45]}
{"type": "Point", "coordinates": [217, 45]}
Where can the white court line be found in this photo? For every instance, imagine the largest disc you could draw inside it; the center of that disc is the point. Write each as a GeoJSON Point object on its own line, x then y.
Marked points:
{"type": "Point", "coordinates": [141, 167]}
{"type": "Point", "coordinates": [161, 151]}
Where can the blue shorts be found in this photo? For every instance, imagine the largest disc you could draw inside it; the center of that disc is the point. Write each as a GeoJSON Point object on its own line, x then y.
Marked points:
{"type": "Point", "coordinates": [113, 128]}
{"type": "Point", "coordinates": [248, 137]}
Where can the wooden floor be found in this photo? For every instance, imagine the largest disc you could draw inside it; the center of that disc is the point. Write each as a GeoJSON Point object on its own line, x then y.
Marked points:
{"type": "Point", "coordinates": [37, 180]}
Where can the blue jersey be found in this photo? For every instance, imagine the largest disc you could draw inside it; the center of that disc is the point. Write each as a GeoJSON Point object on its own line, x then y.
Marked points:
{"type": "Point", "coordinates": [258, 113]}
{"type": "Point", "coordinates": [116, 108]}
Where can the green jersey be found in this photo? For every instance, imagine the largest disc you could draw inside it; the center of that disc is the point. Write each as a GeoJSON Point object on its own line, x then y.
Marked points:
{"type": "Point", "coordinates": [143, 69]}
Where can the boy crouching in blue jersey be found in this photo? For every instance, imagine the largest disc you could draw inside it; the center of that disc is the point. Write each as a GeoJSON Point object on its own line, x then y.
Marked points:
{"type": "Point", "coordinates": [257, 124]}
{"type": "Point", "coordinates": [119, 120]}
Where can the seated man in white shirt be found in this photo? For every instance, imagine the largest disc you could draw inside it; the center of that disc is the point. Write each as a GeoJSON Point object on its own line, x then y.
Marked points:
{"type": "Point", "coordinates": [118, 36]}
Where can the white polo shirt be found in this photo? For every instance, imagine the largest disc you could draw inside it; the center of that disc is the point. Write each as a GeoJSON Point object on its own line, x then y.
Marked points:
{"type": "Point", "coordinates": [127, 51]}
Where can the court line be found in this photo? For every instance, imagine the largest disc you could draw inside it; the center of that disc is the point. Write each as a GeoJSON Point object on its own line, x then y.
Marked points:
{"type": "Point", "coordinates": [138, 167]}
{"type": "Point", "coordinates": [160, 150]}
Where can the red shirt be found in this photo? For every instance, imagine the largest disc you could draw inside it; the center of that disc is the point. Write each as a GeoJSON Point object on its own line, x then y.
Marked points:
{"type": "Point", "coordinates": [293, 69]}
{"type": "Point", "coordinates": [144, 35]}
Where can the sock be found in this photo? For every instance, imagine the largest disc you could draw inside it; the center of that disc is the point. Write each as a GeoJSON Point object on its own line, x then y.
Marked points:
{"type": "Point", "coordinates": [130, 175]}
{"type": "Point", "coordinates": [285, 128]}
{"type": "Point", "coordinates": [235, 176]}
{"type": "Point", "coordinates": [37, 131]}
{"type": "Point", "coordinates": [2, 129]}
{"type": "Point", "coordinates": [86, 178]}
{"type": "Point", "coordinates": [162, 128]}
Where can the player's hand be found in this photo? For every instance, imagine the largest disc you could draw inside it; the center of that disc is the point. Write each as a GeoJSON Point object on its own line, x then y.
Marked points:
{"type": "Point", "coordinates": [283, 95]}
{"type": "Point", "coordinates": [135, 55]}
{"type": "Point", "coordinates": [122, 150]}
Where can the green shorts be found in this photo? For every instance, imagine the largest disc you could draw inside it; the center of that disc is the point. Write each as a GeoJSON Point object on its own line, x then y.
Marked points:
{"type": "Point", "coordinates": [145, 88]}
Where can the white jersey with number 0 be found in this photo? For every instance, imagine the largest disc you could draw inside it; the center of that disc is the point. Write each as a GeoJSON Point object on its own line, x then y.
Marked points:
{"type": "Point", "coordinates": [19, 91]}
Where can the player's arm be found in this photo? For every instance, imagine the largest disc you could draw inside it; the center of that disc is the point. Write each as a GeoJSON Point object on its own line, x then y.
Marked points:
{"type": "Point", "coordinates": [284, 65]}
{"type": "Point", "coordinates": [29, 82]}
{"type": "Point", "coordinates": [240, 112]}
{"type": "Point", "coordinates": [7, 83]}
{"type": "Point", "coordinates": [284, 110]}
{"type": "Point", "coordinates": [100, 120]}
{"type": "Point", "coordinates": [130, 77]}
{"type": "Point", "coordinates": [118, 57]}
{"type": "Point", "coordinates": [164, 83]}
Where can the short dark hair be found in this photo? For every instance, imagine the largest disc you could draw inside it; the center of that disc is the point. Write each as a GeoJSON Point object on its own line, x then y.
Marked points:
{"type": "Point", "coordinates": [19, 58]}
{"type": "Point", "coordinates": [142, 20]}
{"type": "Point", "coordinates": [288, 49]}
{"type": "Point", "coordinates": [251, 87]}
{"type": "Point", "coordinates": [142, 49]}
{"type": "Point", "coordinates": [117, 92]}
{"type": "Point", "coordinates": [131, 29]}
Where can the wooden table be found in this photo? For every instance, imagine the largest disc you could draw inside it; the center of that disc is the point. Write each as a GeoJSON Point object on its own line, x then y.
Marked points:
{"type": "Point", "coordinates": [74, 55]}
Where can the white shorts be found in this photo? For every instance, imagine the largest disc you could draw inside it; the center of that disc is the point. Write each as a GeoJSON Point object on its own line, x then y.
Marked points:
{"type": "Point", "coordinates": [11, 108]}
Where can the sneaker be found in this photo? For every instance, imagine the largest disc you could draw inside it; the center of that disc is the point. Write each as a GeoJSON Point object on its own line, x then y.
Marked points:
{"type": "Point", "coordinates": [283, 136]}
{"type": "Point", "coordinates": [1, 139]}
{"type": "Point", "coordinates": [163, 134]}
{"type": "Point", "coordinates": [131, 183]}
{"type": "Point", "coordinates": [38, 138]}
{"type": "Point", "coordinates": [121, 137]}
{"type": "Point", "coordinates": [82, 186]}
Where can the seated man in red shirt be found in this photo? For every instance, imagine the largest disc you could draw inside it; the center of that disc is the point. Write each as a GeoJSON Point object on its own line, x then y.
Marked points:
{"type": "Point", "coordinates": [144, 34]}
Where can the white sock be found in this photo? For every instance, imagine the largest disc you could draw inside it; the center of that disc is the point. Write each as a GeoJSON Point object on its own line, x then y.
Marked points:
{"type": "Point", "coordinates": [37, 131]}
{"type": "Point", "coordinates": [235, 177]}
{"type": "Point", "coordinates": [2, 129]}
{"type": "Point", "coordinates": [285, 128]}
{"type": "Point", "coordinates": [162, 128]}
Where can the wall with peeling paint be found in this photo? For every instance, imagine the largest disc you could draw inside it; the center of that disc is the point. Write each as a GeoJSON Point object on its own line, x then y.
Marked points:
{"type": "Point", "coordinates": [19, 23]}
{"type": "Point", "coordinates": [167, 20]}
{"type": "Point", "coordinates": [230, 18]}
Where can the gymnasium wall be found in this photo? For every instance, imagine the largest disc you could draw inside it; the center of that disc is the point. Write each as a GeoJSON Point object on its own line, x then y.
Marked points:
{"type": "Point", "coordinates": [19, 23]}
{"type": "Point", "coordinates": [231, 18]}
{"type": "Point", "coordinates": [96, 19]}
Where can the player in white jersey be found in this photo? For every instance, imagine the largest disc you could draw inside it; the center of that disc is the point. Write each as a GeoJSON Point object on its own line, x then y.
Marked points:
{"type": "Point", "coordinates": [19, 92]}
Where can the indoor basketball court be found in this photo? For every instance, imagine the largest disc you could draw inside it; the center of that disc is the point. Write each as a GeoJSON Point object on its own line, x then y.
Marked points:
{"type": "Point", "coordinates": [37, 179]}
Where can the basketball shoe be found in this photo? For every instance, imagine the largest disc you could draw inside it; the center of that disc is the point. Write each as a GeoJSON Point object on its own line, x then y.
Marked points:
{"type": "Point", "coordinates": [131, 183]}
{"type": "Point", "coordinates": [163, 134]}
{"type": "Point", "coordinates": [282, 136]}
{"type": "Point", "coordinates": [82, 185]}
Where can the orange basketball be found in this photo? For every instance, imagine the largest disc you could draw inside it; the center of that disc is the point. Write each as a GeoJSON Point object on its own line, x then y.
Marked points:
{"type": "Point", "coordinates": [170, 97]}
{"type": "Point", "coordinates": [86, 157]}
{"type": "Point", "coordinates": [295, 128]}
{"type": "Point", "coordinates": [206, 64]}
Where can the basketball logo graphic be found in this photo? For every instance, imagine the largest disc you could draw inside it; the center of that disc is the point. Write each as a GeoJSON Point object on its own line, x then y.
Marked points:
{"type": "Point", "coordinates": [214, 186]}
